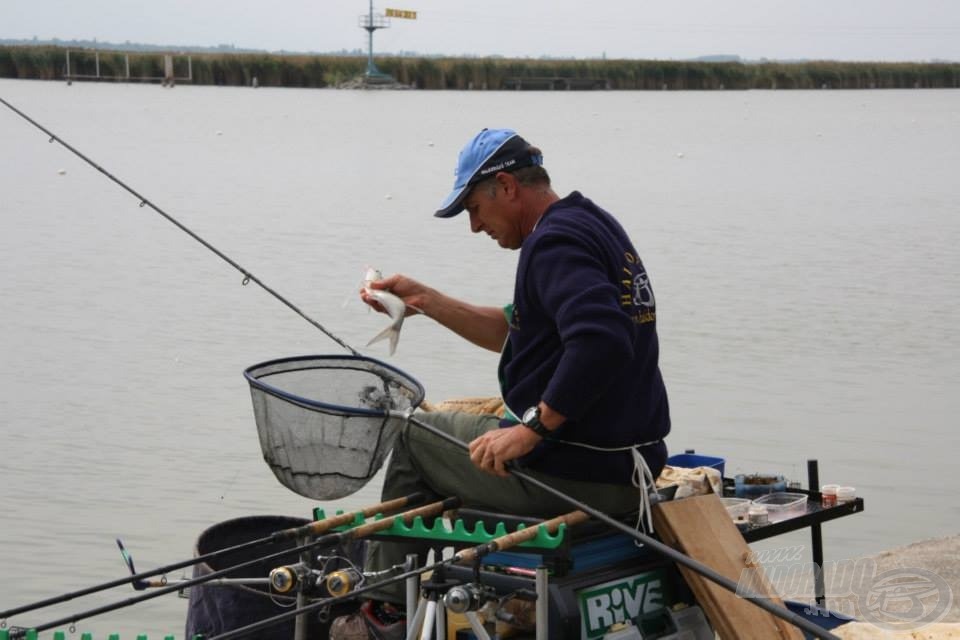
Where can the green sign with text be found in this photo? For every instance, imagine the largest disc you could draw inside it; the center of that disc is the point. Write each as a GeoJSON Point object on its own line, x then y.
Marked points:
{"type": "Point", "coordinates": [620, 600]}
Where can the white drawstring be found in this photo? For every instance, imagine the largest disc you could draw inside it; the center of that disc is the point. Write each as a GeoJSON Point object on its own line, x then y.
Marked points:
{"type": "Point", "coordinates": [642, 479]}
{"type": "Point", "coordinates": [641, 476]}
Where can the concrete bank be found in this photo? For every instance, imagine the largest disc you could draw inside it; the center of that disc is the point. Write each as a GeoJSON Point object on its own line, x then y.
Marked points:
{"type": "Point", "coordinates": [914, 583]}
{"type": "Point", "coordinates": [940, 556]}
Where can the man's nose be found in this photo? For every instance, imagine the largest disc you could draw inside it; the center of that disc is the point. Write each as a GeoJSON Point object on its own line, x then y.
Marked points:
{"type": "Point", "coordinates": [474, 222]}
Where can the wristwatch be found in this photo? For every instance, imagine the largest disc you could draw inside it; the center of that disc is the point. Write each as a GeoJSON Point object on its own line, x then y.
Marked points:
{"type": "Point", "coordinates": [531, 420]}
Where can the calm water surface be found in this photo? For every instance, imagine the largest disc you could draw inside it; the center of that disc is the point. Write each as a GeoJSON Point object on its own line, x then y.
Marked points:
{"type": "Point", "coordinates": [802, 245]}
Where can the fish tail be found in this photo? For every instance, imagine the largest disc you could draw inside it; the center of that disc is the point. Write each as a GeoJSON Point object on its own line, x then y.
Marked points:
{"type": "Point", "coordinates": [392, 333]}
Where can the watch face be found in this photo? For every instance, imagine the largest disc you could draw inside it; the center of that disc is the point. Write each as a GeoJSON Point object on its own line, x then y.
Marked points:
{"type": "Point", "coordinates": [530, 414]}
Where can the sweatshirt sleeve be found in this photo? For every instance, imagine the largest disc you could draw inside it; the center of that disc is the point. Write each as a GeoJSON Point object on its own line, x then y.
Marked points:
{"type": "Point", "coordinates": [573, 287]}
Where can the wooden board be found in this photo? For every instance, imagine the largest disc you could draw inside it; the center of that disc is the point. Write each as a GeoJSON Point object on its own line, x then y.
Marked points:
{"type": "Point", "coordinates": [700, 527]}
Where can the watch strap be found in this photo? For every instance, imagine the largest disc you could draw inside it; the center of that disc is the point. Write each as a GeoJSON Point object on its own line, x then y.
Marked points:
{"type": "Point", "coordinates": [537, 427]}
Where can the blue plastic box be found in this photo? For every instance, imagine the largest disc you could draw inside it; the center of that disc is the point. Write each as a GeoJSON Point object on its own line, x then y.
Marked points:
{"type": "Point", "coordinates": [744, 490]}
{"type": "Point", "coordinates": [692, 460]}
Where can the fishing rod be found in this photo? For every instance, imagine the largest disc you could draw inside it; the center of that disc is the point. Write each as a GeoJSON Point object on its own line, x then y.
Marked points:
{"type": "Point", "coordinates": [144, 202]}
{"type": "Point", "coordinates": [315, 528]}
{"type": "Point", "coordinates": [432, 509]}
{"type": "Point", "coordinates": [671, 553]}
{"type": "Point", "coordinates": [466, 556]}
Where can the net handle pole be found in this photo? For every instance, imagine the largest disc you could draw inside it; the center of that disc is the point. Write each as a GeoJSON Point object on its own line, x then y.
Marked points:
{"type": "Point", "coordinates": [671, 553]}
{"type": "Point", "coordinates": [144, 202]}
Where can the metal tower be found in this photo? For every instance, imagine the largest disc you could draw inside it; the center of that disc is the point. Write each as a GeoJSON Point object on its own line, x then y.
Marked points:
{"type": "Point", "coordinates": [371, 22]}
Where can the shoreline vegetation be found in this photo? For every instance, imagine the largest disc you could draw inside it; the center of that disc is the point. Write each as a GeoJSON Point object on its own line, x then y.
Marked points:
{"type": "Point", "coordinates": [321, 71]}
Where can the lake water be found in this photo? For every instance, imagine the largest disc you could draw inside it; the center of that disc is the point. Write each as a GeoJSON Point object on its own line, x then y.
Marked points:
{"type": "Point", "coordinates": [803, 247]}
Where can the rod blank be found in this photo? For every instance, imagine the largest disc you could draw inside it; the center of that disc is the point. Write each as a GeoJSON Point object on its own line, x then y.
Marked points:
{"type": "Point", "coordinates": [247, 276]}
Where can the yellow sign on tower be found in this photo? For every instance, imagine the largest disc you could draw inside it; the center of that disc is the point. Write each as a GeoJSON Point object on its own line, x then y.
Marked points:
{"type": "Point", "coordinates": [401, 13]}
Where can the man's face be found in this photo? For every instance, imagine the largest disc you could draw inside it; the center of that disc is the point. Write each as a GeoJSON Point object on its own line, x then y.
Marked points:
{"type": "Point", "coordinates": [491, 213]}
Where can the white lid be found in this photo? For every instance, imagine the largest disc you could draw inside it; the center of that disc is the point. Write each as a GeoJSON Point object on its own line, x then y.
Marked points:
{"type": "Point", "coordinates": [847, 492]}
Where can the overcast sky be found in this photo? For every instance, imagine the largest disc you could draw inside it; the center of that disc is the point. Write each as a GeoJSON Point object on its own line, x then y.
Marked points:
{"type": "Point", "coordinates": [884, 30]}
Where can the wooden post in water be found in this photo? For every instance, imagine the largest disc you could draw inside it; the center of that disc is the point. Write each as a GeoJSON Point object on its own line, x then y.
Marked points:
{"type": "Point", "coordinates": [96, 58]}
{"type": "Point", "coordinates": [167, 70]}
{"type": "Point", "coordinates": [126, 59]}
{"type": "Point", "coordinates": [67, 73]}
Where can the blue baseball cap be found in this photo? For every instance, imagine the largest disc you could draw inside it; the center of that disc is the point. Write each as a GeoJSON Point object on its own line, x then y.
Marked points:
{"type": "Point", "coordinates": [489, 151]}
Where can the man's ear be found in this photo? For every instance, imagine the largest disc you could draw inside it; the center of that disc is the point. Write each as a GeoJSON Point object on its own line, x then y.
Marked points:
{"type": "Point", "coordinates": [508, 183]}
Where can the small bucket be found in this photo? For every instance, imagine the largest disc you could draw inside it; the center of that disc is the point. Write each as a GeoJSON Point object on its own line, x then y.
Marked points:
{"type": "Point", "coordinates": [216, 609]}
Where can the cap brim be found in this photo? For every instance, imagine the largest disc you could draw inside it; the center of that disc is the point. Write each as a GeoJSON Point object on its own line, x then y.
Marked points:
{"type": "Point", "coordinates": [453, 204]}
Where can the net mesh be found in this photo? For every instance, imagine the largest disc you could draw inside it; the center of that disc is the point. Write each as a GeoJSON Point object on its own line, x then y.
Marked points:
{"type": "Point", "coordinates": [323, 421]}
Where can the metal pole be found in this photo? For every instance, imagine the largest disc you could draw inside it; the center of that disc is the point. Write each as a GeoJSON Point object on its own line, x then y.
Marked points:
{"type": "Point", "coordinates": [300, 626]}
{"type": "Point", "coordinates": [477, 627]}
{"type": "Point", "coordinates": [441, 622]}
{"type": "Point", "coordinates": [414, 624]}
{"type": "Point", "coordinates": [543, 604]}
{"type": "Point", "coordinates": [370, 40]}
{"type": "Point", "coordinates": [430, 617]}
{"type": "Point", "coordinates": [816, 538]}
{"type": "Point", "coordinates": [413, 584]}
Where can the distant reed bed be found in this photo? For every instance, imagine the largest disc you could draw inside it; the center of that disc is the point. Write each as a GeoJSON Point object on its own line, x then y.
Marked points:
{"type": "Point", "coordinates": [275, 70]}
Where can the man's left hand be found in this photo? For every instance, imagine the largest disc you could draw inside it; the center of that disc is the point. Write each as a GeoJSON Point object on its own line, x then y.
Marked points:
{"type": "Point", "coordinates": [491, 451]}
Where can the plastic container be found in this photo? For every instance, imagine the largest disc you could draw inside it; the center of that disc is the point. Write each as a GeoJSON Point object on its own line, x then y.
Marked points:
{"type": "Point", "coordinates": [782, 505]}
{"type": "Point", "coordinates": [828, 494]}
{"type": "Point", "coordinates": [691, 624]}
{"type": "Point", "coordinates": [736, 507]}
{"type": "Point", "coordinates": [846, 494]}
{"type": "Point", "coordinates": [694, 460]}
{"type": "Point", "coordinates": [623, 632]}
{"type": "Point", "coordinates": [757, 514]}
{"type": "Point", "coordinates": [750, 486]}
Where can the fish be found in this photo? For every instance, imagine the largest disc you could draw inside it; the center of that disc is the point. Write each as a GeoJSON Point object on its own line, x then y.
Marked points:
{"type": "Point", "coordinates": [391, 303]}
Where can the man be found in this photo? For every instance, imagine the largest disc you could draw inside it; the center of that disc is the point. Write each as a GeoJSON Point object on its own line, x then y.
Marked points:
{"type": "Point", "coordinates": [586, 405]}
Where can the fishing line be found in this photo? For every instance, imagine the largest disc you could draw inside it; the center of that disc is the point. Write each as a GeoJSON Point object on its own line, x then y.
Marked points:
{"type": "Point", "coordinates": [144, 202]}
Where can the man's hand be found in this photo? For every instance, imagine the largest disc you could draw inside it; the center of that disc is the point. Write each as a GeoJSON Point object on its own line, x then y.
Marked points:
{"type": "Point", "coordinates": [483, 326]}
{"type": "Point", "coordinates": [491, 451]}
{"type": "Point", "coordinates": [413, 293]}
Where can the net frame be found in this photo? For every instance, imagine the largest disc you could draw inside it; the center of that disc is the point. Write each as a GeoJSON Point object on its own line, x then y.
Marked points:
{"type": "Point", "coordinates": [296, 452]}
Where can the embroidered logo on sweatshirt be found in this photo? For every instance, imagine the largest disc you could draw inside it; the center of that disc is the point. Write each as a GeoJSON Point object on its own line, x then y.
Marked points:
{"type": "Point", "coordinates": [636, 294]}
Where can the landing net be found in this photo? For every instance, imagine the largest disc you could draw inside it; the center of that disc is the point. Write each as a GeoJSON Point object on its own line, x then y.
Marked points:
{"type": "Point", "coordinates": [323, 421]}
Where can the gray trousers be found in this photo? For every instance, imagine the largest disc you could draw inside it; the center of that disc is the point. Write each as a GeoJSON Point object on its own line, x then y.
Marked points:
{"type": "Point", "coordinates": [424, 462]}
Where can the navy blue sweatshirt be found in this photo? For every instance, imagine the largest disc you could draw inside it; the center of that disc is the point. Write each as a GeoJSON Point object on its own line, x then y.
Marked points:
{"type": "Point", "coordinates": [583, 338]}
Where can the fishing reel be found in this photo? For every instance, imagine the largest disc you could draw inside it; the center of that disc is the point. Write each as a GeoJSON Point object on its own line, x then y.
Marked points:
{"type": "Point", "coordinates": [297, 576]}
{"type": "Point", "coordinates": [465, 597]}
{"type": "Point", "coordinates": [286, 579]}
{"type": "Point", "coordinates": [294, 576]}
{"type": "Point", "coordinates": [342, 581]}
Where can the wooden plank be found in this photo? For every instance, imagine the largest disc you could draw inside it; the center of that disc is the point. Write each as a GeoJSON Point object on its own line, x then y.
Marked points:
{"type": "Point", "coordinates": [700, 527]}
